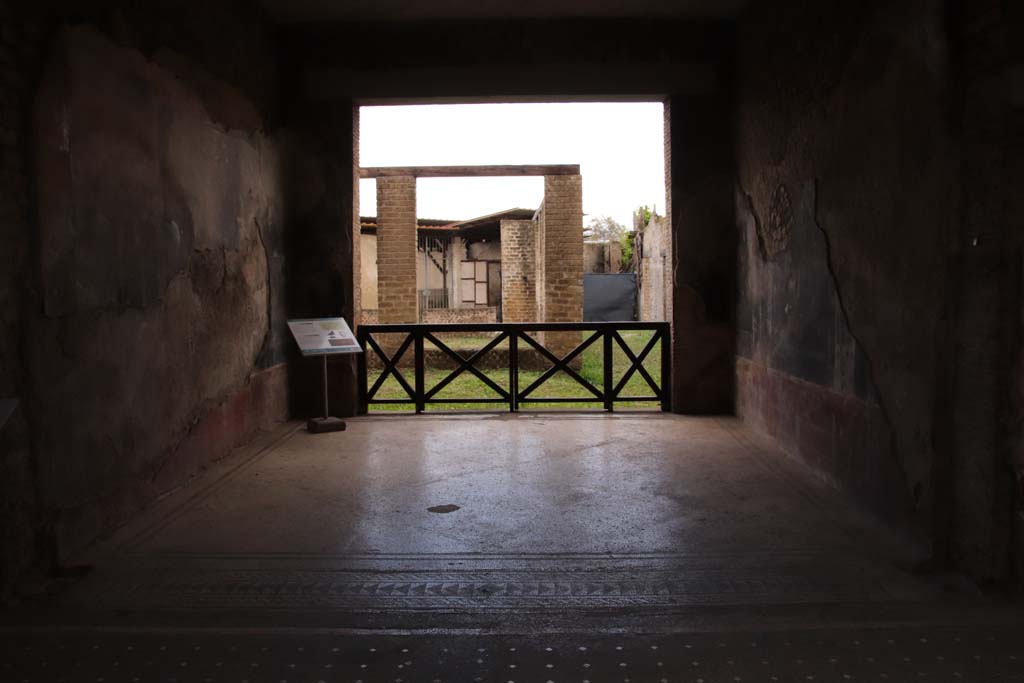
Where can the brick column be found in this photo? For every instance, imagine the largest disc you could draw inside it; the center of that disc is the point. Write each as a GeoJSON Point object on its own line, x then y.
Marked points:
{"type": "Point", "coordinates": [518, 272]}
{"type": "Point", "coordinates": [396, 250]}
{"type": "Point", "coordinates": [560, 271]}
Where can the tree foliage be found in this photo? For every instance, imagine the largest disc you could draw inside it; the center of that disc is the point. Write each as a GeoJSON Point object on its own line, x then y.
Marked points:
{"type": "Point", "coordinates": [626, 241]}
{"type": "Point", "coordinates": [604, 229]}
{"type": "Point", "coordinates": [644, 213]}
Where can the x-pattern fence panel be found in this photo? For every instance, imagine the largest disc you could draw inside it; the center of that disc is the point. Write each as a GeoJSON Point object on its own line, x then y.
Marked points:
{"type": "Point", "coordinates": [404, 337]}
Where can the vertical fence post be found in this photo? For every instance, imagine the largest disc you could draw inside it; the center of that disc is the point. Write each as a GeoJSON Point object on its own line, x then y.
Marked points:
{"type": "Point", "coordinates": [666, 368]}
{"type": "Point", "coordinates": [609, 403]}
{"type": "Point", "coordinates": [362, 407]}
{"type": "Point", "coordinates": [513, 371]}
{"type": "Point", "coordinates": [419, 370]}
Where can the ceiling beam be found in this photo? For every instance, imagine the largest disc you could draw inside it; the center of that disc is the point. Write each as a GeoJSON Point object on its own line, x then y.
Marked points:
{"type": "Point", "coordinates": [468, 171]}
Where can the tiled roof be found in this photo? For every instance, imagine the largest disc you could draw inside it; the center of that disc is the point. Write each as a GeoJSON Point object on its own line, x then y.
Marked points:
{"type": "Point", "coordinates": [437, 224]}
{"type": "Point", "coordinates": [370, 222]}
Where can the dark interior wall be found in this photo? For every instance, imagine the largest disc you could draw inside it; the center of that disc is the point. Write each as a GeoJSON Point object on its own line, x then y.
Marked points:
{"type": "Point", "coordinates": [227, 50]}
{"type": "Point", "coordinates": [701, 175]}
{"type": "Point", "coordinates": [21, 44]}
{"type": "Point", "coordinates": [324, 276]}
{"type": "Point", "coordinates": [489, 60]}
{"type": "Point", "coordinates": [847, 206]}
{"type": "Point", "coordinates": [151, 290]}
{"type": "Point", "coordinates": [987, 490]}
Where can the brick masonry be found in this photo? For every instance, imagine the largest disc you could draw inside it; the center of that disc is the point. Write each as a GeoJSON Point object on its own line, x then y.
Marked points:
{"type": "Point", "coordinates": [478, 314]}
{"type": "Point", "coordinates": [560, 258]}
{"type": "Point", "coordinates": [518, 271]}
{"type": "Point", "coordinates": [396, 250]}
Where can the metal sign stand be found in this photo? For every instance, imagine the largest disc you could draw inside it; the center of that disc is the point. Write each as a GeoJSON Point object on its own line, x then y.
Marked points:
{"type": "Point", "coordinates": [322, 425]}
{"type": "Point", "coordinates": [323, 337]}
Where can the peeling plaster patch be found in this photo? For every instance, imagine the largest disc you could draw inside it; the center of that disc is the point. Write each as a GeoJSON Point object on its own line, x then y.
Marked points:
{"type": "Point", "coordinates": [774, 237]}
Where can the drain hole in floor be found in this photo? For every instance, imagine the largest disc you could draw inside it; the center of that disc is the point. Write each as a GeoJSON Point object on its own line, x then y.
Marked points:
{"type": "Point", "coordinates": [443, 508]}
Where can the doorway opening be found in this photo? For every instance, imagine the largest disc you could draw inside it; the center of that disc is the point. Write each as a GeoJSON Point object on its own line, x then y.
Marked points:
{"type": "Point", "coordinates": [453, 234]}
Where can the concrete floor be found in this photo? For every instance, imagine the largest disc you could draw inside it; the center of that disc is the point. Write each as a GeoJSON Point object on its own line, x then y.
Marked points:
{"type": "Point", "coordinates": [589, 526]}
{"type": "Point", "coordinates": [621, 485]}
{"type": "Point", "coordinates": [551, 516]}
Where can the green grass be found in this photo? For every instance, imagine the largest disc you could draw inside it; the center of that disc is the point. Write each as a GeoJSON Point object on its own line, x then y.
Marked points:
{"type": "Point", "coordinates": [560, 385]}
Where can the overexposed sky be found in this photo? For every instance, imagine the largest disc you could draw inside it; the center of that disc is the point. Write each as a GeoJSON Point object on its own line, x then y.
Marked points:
{"type": "Point", "coordinates": [617, 145]}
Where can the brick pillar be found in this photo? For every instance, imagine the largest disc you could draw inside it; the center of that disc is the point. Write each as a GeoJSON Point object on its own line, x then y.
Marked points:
{"type": "Point", "coordinates": [560, 272]}
{"type": "Point", "coordinates": [396, 250]}
{"type": "Point", "coordinates": [518, 272]}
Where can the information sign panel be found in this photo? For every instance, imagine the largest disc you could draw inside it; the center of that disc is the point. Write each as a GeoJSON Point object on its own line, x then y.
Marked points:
{"type": "Point", "coordinates": [323, 336]}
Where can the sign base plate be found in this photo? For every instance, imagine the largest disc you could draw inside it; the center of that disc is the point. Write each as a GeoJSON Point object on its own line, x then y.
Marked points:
{"type": "Point", "coordinates": [323, 425]}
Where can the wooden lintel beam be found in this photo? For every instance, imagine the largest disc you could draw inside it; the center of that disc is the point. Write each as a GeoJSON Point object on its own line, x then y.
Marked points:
{"type": "Point", "coordinates": [468, 171]}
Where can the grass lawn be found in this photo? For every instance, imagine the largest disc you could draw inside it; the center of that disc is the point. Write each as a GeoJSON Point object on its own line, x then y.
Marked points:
{"type": "Point", "coordinates": [560, 385]}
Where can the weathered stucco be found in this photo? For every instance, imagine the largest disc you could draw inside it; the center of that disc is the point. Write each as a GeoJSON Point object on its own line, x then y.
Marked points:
{"type": "Point", "coordinates": [161, 266]}
{"type": "Point", "coordinates": [847, 204]}
{"type": "Point", "coordinates": [652, 252]}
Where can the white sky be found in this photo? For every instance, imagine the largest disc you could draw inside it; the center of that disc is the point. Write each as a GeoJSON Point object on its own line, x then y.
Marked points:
{"type": "Point", "coordinates": [618, 146]}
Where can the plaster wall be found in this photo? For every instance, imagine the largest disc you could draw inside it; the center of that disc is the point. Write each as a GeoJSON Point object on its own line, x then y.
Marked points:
{"type": "Point", "coordinates": [458, 255]}
{"type": "Point", "coordinates": [428, 274]}
{"type": "Point", "coordinates": [847, 202]}
{"type": "Point", "coordinates": [479, 250]}
{"type": "Point", "coordinates": [159, 340]}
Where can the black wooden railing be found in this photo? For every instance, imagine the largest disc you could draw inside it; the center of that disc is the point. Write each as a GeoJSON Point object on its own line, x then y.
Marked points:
{"type": "Point", "coordinates": [403, 337]}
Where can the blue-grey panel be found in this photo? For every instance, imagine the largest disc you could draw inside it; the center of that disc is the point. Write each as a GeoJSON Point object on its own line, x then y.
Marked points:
{"type": "Point", "coordinates": [609, 297]}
